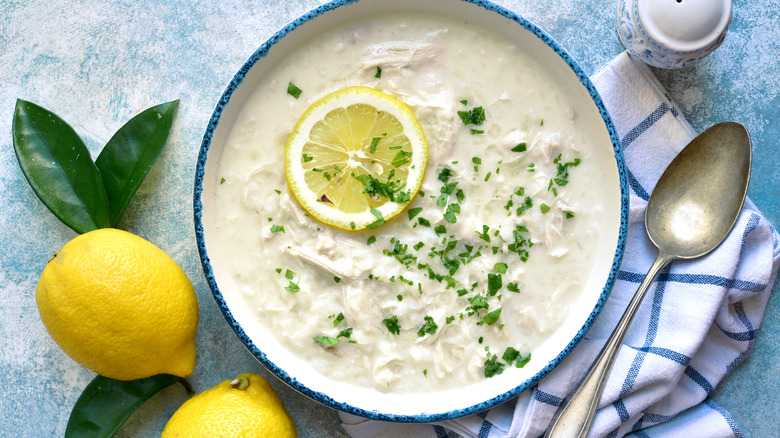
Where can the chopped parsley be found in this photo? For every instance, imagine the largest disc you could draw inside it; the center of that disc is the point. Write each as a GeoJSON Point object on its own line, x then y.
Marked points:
{"type": "Point", "coordinates": [494, 283]}
{"type": "Point", "coordinates": [346, 333]}
{"type": "Point", "coordinates": [292, 287]}
{"type": "Point", "coordinates": [544, 207]}
{"type": "Point", "coordinates": [370, 240]}
{"type": "Point", "coordinates": [521, 147]}
{"type": "Point", "coordinates": [429, 327]}
{"type": "Point", "coordinates": [378, 189]}
{"type": "Point", "coordinates": [445, 175]}
{"type": "Point", "coordinates": [449, 215]}
{"type": "Point", "coordinates": [326, 341]}
{"type": "Point", "coordinates": [512, 287]}
{"type": "Point", "coordinates": [392, 325]}
{"type": "Point", "coordinates": [374, 142]}
{"type": "Point", "coordinates": [562, 178]}
{"type": "Point", "coordinates": [526, 205]}
{"type": "Point", "coordinates": [500, 267]}
{"type": "Point", "coordinates": [493, 367]}
{"type": "Point", "coordinates": [401, 158]}
{"type": "Point", "coordinates": [277, 228]}
{"type": "Point", "coordinates": [511, 356]}
{"type": "Point", "coordinates": [475, 116]}
{"type": "Point", "coordinates": [293, 90]}
{"type": "Point", "coordinates": [521, 244]}
{"type": "Point", "coordinates": [414, 212]}
{"type": "Point", "coordinates": [478, 302]}
{"type": "Point", "coordinates": [484, 234]}
{"type": "Point", "coordinates": [338, 319]}
{"type": "Point", "coordinates": [307, 158]}
{"type": "Point", "coordinates": [492, 317]}
{"type": "Point", "coordinates": [222, 181]}
{"type": "Point", "coordinates": [378, 72]}
{"type": "Point", "coordinates": [380, 220]}
{"type": "Point", "coordinates": [523, 361]}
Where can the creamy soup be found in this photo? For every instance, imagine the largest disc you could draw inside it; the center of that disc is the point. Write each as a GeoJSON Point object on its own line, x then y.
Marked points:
{"type": "Point", "coordinates": [485, 262]}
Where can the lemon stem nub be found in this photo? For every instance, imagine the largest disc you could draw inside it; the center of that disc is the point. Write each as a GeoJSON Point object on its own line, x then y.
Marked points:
{"type": "Point", "coordinates": [241, 383]}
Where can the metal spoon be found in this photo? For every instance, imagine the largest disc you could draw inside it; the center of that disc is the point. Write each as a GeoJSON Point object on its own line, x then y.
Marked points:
{"type": "Point", "coordinates": [692, 209]}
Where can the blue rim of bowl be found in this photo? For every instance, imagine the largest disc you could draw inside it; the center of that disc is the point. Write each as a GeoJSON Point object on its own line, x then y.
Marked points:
{"type": "Point", "coordinates": [323, 398]}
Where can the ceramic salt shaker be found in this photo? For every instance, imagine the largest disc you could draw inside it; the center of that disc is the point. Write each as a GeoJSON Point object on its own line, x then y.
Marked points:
{"type": "Point", "coordinates": [673, 33]}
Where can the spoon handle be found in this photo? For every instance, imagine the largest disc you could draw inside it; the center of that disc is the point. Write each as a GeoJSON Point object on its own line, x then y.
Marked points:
{"type": "Point", "coordinates": [575, 416]}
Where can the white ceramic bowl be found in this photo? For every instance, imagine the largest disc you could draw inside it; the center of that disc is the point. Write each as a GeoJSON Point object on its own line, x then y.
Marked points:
{"type": "Point", "coordinates": [428, 406]}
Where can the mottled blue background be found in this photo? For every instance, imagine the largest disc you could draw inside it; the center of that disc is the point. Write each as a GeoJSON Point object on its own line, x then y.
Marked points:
{"type": "Point", "coordinates": [97, 64]}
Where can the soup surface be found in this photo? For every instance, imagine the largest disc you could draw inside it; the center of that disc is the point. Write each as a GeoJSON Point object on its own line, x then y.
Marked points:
{"type": "Point", "coordinates": [488, 258]}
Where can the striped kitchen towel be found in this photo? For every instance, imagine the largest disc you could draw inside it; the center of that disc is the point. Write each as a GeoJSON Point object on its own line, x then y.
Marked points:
{"type": "Point", "coordinates": [697, 322]}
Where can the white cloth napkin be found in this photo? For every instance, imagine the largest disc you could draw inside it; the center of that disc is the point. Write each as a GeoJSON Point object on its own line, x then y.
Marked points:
{"type": "Point", "coordinates": [697, 322]}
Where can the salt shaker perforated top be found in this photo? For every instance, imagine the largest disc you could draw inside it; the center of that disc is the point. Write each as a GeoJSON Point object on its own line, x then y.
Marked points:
{"type": "Point", "coordinates": [673, 33]}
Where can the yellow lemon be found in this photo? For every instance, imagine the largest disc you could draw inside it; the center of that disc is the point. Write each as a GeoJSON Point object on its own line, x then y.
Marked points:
{"type": "Point", "coordinates": [245, 407]}
{"type": "Point", "coordinates": [356, 158]}
{"type": "Point", "coordinates": [120, 306]}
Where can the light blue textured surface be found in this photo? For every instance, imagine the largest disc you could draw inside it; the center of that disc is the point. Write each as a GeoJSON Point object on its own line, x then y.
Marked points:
{"type": "Point", "coordinates": [98, 64]}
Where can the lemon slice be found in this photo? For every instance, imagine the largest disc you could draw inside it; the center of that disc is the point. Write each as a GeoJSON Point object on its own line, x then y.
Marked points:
{"type": "Point", "coordinates": [356, 158]}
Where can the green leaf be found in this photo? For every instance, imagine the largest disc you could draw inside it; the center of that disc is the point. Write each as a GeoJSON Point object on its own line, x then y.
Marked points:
{"type": "Point", "coordinates": [106, 403]}
{"type": "Point", "coordinates": [58, 167]}
{"type": "Point", "coordinates": [129, 155]}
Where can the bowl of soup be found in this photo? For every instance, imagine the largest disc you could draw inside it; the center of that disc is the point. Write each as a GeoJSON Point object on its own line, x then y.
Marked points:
{"type": "Point", "coordinates": [496, 268]}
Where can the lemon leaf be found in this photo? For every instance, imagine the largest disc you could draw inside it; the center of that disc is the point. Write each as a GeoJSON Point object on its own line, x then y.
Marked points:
{"type": "Point", "coordinates": [83, 194]}
{"type": "Point", "coordinates": [106, 403]}
{"type": "Point", "coordinates": [57, 164]}
{"type": "Point", "coordinates": [130, 154]}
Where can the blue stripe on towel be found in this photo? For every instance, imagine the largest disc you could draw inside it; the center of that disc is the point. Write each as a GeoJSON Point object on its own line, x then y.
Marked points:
{"type": "Point", "coordinates": [636, 186]}
{"type": "Point", "coordinates": [652, 331]}
{"type": "Point", "coordinates": [740, 336]}
{"type": "Point", "coordinates": [747, 336]}
{"type": "Point", "coordinates": [752, 225]}
{"type": "Point", "coordinates": [740, 310]}
{"type": "Point", "coordinates": [632, 135]}
{"type": "Point", "coordinates": [714, 280]}
{"type": "Point", "coordinates": [644, 125]}
{"type": "Point", "coordinates": [699, 379]}
{"type": "Point", "coordinates": [622, 412]}
{"type": "Point", "coordinates": [547, 398]}
{"type": "Point", "coordinates": [665, 353]}
{"type": "Point", "coordinates": [441, 432]}
{"type": "Point", "coordinates": [484, 430]}
{"type": "Point", "coordinates": [655, 418]}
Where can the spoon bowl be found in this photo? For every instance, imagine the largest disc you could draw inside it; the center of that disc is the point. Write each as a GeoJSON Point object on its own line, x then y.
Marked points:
{"type": "Point", "coordinates": [692, 209]}
{"type": "Point", "coordinates": [699, 196]}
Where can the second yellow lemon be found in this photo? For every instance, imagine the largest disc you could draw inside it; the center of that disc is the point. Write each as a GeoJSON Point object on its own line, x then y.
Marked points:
{"type": "Point", "coordinates": [246, 407]}
{"type": "Point", "coordinates": [120, 306]}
